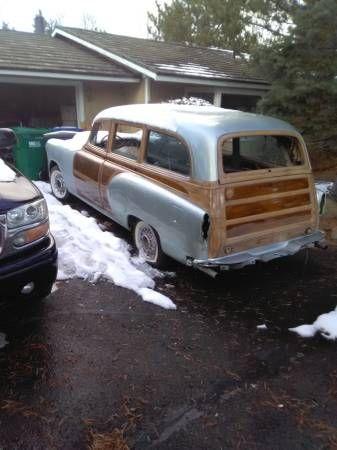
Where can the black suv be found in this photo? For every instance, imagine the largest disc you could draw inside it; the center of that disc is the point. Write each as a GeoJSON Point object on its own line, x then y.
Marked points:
{"type": "Point", "coordinates": [28, 255]}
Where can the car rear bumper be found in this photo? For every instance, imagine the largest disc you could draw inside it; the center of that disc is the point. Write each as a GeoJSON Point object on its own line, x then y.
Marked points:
{"type": "Point", "coordinates": [38, 267]}
{"type": "Point", "coordinates": [264, 253]}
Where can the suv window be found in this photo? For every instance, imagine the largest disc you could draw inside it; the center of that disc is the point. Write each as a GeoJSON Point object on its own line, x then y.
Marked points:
{"type": "Point", "coordinates": [167, 152]}
{"type": "Point", "coordinates": [260, 152]}
{"type": "Point", "coordinates": [99, 135]}
{"type": "Point", "coordinates": [127, 142]}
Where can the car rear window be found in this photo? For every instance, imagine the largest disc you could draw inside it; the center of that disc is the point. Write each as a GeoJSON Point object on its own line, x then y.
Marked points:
{"type": "Point", "coordinates": [260, 152]}
{"type": "Point", "coordinates": [167, 152]}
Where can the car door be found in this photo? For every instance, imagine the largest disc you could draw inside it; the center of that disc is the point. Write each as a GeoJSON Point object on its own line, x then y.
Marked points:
{"type": "Point", "coordinates": [88, 162]}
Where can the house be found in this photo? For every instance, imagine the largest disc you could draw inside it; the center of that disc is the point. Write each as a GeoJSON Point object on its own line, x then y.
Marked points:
{"type": "Point", "coordinates": [66, 78]}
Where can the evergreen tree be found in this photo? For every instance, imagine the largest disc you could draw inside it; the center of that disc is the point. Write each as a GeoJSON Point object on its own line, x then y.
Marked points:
{"type": "Point", "coordinates": [234, 24]}
{"type": "Point", "coordinates": [302, 69]}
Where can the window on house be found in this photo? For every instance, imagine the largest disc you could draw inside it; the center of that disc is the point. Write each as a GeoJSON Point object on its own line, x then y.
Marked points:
{"type": "Point", "coordinates": [99, 135]}
{"type": "Point", "coordinates": [260, 152]}
{"type": "Point", "coordinates": [167, 152]}
{"type": "Point", "coordinates": [127, 141]}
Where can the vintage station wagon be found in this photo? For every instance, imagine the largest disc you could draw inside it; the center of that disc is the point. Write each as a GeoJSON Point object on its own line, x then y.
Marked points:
{"type": "Point", "coordinates": [209, 187]}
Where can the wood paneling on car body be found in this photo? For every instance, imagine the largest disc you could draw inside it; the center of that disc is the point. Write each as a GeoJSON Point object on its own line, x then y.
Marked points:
{"type": "Point", "coordinates": [259, 212]}
{"type": "Point", "coordinates": [246, 209]}
{"type": "Point", "coordinates": [87, 172]}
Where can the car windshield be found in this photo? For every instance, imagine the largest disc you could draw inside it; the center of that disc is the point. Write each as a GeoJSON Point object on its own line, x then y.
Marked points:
{"type": "Point", "coordinates": [260, 152]}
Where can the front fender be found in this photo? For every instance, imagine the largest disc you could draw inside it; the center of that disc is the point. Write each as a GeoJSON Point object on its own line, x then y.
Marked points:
{"type": "Point", "coordinates": [59, 154]}
{"type": "Point", "coordinates": [179, 223]}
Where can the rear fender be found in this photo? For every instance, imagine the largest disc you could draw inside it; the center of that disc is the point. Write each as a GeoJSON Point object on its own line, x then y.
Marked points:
{"type": "Point", "coordinates": [181, 225]}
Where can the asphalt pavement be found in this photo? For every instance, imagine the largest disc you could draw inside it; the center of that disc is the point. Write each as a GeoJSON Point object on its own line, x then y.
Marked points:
{"type": "Point", "coordinates": [93, 366]}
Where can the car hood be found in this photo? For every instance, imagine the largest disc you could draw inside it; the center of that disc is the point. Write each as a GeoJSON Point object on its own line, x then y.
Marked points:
{"type": "Point", "coordinates": [17, 192]}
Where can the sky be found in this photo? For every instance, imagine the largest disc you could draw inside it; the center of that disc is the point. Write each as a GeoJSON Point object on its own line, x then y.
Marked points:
{"type": "Point", "coordinates": [127, 17]}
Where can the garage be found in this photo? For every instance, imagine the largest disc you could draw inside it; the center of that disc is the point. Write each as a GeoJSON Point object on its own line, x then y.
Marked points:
{"type": "Point", "coordinates": [47, 82]}
{"type": "Point", "coordinates": [32, 105]}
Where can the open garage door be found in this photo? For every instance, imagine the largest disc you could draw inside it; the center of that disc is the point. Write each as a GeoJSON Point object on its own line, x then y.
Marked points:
{"type": "Point", "coordinates": [240, 102]}
{"type": "Point", "coordinates": [37, 106]}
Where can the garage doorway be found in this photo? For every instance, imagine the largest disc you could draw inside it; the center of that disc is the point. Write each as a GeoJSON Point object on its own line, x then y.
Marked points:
{"type": "Point", "coordinates": [241, 102]}
{"type": "Point", "coordinates": [37, 106]}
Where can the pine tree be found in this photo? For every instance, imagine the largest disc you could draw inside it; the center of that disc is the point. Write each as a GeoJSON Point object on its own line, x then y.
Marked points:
{"type": "Point", "coordinates": [233, 24]}
{"type": "Point", "coordinates": [302, 69]}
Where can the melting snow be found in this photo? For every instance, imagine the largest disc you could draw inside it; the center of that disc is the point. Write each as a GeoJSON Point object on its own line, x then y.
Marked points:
{"type": "Point", "coordinates": [3, 340]}
{"type": "Point", "coordinates": [88, 252]}
{"type": "Point", "coordinates": [322, 188]}
{"type": "Point", "coordinates": [6, 173]}
{"type": "Point", "coordinates": [326, 324]}
{"type": "Point", "coordinates": [194, 101]}
{"type": "Point", "coordinates": [192, 69]}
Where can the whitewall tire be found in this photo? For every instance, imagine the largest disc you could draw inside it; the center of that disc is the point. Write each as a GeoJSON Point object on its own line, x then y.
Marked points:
{"type": "Point", "coordinates": [58, 185]}
{"type": "Point", "coordinates": [147, 242]}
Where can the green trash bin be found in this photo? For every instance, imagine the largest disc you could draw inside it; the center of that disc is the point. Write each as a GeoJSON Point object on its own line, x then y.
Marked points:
{"type": "Point", "coordinates": [29, 152]}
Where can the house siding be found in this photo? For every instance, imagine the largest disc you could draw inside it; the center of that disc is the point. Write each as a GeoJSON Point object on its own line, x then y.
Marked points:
{"type": "Point", "coordinates": [98, 96]}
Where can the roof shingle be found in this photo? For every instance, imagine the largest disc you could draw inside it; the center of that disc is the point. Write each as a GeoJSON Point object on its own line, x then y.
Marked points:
{"type": "Point", "coordinates": [171, 58]}
{"type": "Point", "coordinates": [36, 52]}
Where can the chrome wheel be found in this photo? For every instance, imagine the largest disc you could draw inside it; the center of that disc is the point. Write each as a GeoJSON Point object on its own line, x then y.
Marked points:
{"type": "Point", "coordinates": [146, 242]}
{"type": "Point", "coordinates": [58, 186]}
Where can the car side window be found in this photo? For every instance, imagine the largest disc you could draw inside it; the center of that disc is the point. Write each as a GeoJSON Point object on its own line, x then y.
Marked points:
{"type": "Point", "coordinates": [127, 141]}
{"type": "Point", "coordinates": [167, 152]}
{"type": "Point", "coordinates": [99, 136]}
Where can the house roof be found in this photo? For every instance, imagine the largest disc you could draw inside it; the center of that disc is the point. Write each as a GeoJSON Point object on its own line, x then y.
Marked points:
{"type": "Point", "coordinates": [41, 53]}
{"type": "Point", "coordinates": [159, 59]}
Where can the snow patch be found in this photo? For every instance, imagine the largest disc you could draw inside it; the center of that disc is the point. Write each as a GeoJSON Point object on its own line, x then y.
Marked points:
{"type": "Point", "coordinates": [6, 173]}
{"type": "Point", "coordinates": [325, 324]}
{"type": "Point", "coordinates": [151, 296]}
{"type": "Point", "coordinates": [3, 340]}
{"type": "Point", "coordinates": [196, 101]}
{"type": "Point", "coordinates": [88, 252]}
{"type": "Point", "coordinates": [192, 69]}
{"type": "Point", "coordinates": [322, 189]}
{"type": "Point", "coordinates": [323, 186]}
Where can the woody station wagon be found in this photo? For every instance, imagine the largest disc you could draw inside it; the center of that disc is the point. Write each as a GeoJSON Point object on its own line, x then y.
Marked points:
{"type": "Point", "coordinates": [209, 187]}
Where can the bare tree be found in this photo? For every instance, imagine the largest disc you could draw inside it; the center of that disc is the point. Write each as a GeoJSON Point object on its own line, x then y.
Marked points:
{"type": "Point", "coordinates": [52, 24]}
{"type": "Point", "coordinates": [89, 23]}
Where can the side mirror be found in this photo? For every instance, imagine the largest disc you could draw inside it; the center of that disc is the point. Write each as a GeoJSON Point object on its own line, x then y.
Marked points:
{"type": "Point", "coordinates": [7, 138]}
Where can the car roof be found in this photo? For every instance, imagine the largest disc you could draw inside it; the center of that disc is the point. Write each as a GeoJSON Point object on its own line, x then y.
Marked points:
{"type": "Point", "coordinates": [184, 119]}
{"type": "Point", "coordinates": [199, 126]}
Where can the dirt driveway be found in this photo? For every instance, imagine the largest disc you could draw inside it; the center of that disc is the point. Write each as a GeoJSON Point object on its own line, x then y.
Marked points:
{"type": "Point", "coordinates": [94, 366]}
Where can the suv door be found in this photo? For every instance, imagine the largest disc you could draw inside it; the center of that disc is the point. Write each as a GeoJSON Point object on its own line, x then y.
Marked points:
{"type": "Point", "coordinates": [88, 162]}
